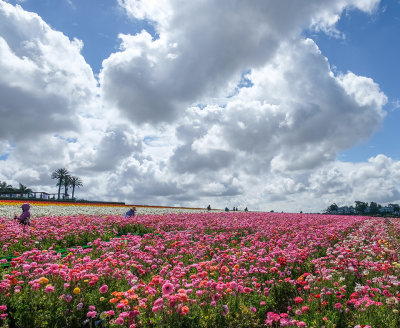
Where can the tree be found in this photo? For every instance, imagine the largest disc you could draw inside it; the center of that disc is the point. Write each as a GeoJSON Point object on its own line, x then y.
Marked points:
{"type": "Point", "coordinates": [24, 189]}
{"type": "Point", "coordinates": [5, 187]}
{"type": "Point", "coordinates": [373, 208]}
{"type": "Point", "coordinates": [66, 183]}
{"type": "Point", "coordinates": [60, 174]}
{"type": "Point", "coordinates": [76, 182]}
{"type": "Point", "coordinates": [361, 206]}
{"type": "Point", "coordinates": [396, 207]}
{"type": "Point", "coordinates": [332, 208]}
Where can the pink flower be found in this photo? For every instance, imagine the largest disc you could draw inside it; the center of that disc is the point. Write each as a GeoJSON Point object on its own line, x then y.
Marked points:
{"type": "Point", "coordinates": [49, 289]}
{"type": "Point", "coordinates": [92, 308]}
{"type": "Point", "coordinates": [91, 314]}
{"type": "Point", "coordinates": [159, 302]}
{"type": "Point", "coordinates": [253, 309]}
{"type": "Point", "coordinates": [103, 289]}
{"type": "Point", "coordinates": [338, 306]}
{"type": "Point", "coordinates": [68, 298]}
{"type": "Point", "coordinates": [298, 300]}
{"type": "Point", "coordinates": [3, 307]}
{"type": "Point", "coordinates": [305, 309]}
{"type": "Point", "coordinates": [167, 288]}
{"type": "Point", "coordinates": [119, 321]}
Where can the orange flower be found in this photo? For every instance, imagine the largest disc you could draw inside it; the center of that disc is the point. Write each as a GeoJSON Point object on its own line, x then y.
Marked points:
{"type": "Point", "coordinates": [43, 280]}
{"type": "Point", "coordinates": [114, 300]}
{"type": "Point", "coordinates": [185, 309]}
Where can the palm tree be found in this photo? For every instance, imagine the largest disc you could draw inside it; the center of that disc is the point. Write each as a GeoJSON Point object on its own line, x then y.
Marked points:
{"type": "Point", "coordinates": [61, 175]}
{"type": "Point", "coordinates": [24, 189]}
{"type": "Point", "coordinates": [66, 183]}
{"type": "Point", "coordinates": [75, 182]}
{"type": "Point", "coordinates": [5, 187]}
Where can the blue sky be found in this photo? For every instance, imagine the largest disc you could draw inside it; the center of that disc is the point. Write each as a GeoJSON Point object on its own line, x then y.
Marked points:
{"type": "Point", "coordinates": [207, 106]}
{"type": "Point", "coordinates": [96, 22]}
{"type": "Point", "coordinates": [371, 47]}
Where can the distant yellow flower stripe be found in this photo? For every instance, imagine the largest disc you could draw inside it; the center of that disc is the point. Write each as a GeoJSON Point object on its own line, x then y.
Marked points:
{"type": "Point", "coordinates": [47, 203]}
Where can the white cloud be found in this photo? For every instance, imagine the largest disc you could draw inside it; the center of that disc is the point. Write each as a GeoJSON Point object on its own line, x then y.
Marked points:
{"type": "Point", "coordinates": [174, 126]}
{"type": "Point", "coordinates": [42, 75]}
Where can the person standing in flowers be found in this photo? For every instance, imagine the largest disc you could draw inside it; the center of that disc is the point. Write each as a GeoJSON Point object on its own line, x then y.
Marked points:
{"type": "Point", "coordinates": [131, 212]}
{"type": "Point", "coordinates": [25, 217]}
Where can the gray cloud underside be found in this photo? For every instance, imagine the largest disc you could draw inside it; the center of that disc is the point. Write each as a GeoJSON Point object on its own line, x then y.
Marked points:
{"type": "Point", "coordinates": [139, 133]}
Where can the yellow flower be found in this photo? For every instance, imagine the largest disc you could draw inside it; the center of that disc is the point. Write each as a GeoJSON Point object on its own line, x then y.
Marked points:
{"type": "Point", "coordinates": [77, 290]}
{"type": "Point", "coordinates": [43, 280]}
{"type": "Point", "coordinates": [101, 299]}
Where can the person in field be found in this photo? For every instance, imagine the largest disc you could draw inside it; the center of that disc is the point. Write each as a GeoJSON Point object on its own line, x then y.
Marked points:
{"type": "Point", "coordinates": [25, 217]}
{"type": "Point", "coordinates": [131, 212]}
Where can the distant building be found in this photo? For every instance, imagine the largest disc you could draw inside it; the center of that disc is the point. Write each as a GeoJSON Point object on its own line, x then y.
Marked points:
{"type": "Point", "coordinates": [33, 195]}
{"type": "Point", "coordinates": [386, 209]}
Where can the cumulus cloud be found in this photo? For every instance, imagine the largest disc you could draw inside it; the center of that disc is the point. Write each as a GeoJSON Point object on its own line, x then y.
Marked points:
{"type": "Point", "coordinates": [226, 104]}
{"type": "Point", "coordinates": [42, 74]}
{"type": "Point", "coordinates": [296, 116]}
{"type": "Point", "coordinates": [202, 46]}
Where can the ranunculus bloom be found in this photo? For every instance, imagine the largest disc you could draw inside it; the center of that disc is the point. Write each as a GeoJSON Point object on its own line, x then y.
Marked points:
{"type": "Point", "coordinates": [49, 289]}
{"type": "Point", "coordinates": [3, 307]}
{"type": "Point", "coordinates": [103, 289]}
{"type": "Point", "coordinates": [338, 306]}
{"type": "Point", "coordinates": [77, 290]}
{"type": "Point", "coordinates": [225, 309]}
{"type": "Point", "coordinates": [159, 302]}
{"type": "Point", "coordinates": [91, 314]}
{"type": "Point", "coordinates": [119, 321]}
{"type": "Point", "coordinates": [298, 300]}
{"type": "Point", "coordinates": [167, 288]}
{"type": "Point", "coordinates": [185, 309]}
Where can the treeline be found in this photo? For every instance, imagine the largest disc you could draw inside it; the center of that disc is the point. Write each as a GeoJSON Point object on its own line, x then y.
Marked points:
{"type": "Point", "coordinates": [6, 188]}
{"type": "Point", "coordinates": [363, 208]}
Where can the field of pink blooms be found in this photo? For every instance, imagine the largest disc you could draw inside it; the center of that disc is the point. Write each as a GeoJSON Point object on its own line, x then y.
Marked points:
{"type": "Point", "coordinates": [201, 270]}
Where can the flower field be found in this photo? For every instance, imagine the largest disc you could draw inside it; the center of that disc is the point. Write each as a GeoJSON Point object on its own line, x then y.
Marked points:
{"type": "Point", "coordinates": [200, 270]}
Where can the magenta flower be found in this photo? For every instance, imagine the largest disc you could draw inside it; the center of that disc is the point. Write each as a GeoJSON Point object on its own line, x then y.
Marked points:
{"type": "Point", "coordinates": [103, 289]}
{"type": "Point", "coordinates": [119, 321]}
{"type": "Point", "coordinates": [159, 302]}
{"type": "Point", "coordinates": [338, 306]}
{"type": "Point", "coordinates": [49, 289]}
{"type": "Point", "coordinates": [91, 314]}
{"type": "Point", "coordinates": [167, 288]}
{"type": "Point", "coordinates": [298, 300]}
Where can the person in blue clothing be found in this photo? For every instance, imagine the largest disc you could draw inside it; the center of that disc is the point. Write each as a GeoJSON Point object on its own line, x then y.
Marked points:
{"type": "Point", "coordinates": [131, 212]}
